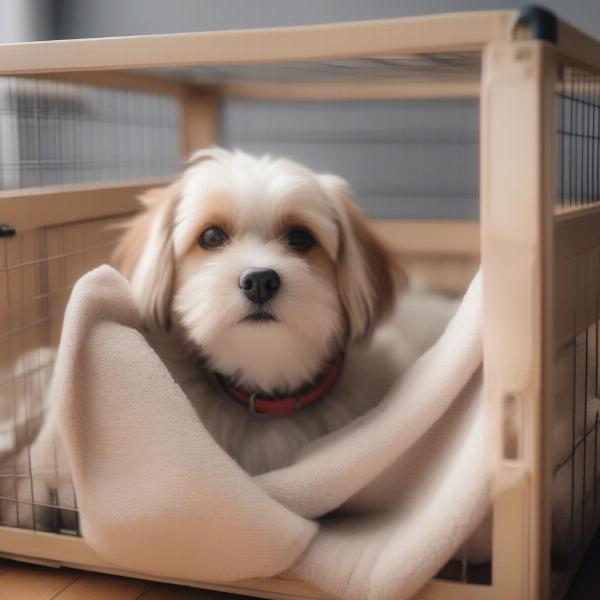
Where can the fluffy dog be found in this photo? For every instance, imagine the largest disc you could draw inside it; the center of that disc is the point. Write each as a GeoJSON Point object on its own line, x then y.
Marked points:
{"type": "Point", "coordinates": [261, 285]}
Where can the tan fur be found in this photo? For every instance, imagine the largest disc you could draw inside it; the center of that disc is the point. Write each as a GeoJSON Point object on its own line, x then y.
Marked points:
{"type": "Point", "coordinates": [129, 250]}
{"type": "Point", "coordinates": [160, 255]}
{"type": "Point", "coordinates": [386, 276]}
{"type": "Point", "coordinates": [223, 219]}
{"type": "Point", "coordinates": [151, 233]}
{"type": "Point", "coordinates": [331, 295]}
{"type": "Point", "coordinates": [223, 215]}
{"type": "Point", "coordinates": [369, 275]}
{"type": "Point", "coordinates": [318, 258]}
{"type": "Point", "coordinates": [291, 218]}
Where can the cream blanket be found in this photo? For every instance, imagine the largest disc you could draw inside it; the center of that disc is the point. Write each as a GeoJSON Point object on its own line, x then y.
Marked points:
{"type": "Point", "coordinates": [371, 511]}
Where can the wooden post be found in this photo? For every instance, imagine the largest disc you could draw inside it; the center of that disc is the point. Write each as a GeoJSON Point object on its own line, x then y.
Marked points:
{"type": "Point", "coordinates": [517, 129]}
{"type": "Point", "coordinates": [199, 122]}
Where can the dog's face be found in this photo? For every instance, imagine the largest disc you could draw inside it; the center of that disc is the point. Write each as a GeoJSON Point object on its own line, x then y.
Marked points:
{"type": "Point", "coordinates": [267, 268]}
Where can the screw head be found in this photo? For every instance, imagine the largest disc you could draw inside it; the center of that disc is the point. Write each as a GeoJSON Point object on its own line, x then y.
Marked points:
{"type": "Point", "coordinates": [7, 231]}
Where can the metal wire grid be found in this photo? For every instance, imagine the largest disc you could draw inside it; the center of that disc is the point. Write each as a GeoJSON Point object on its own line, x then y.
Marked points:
{"type": "Point", "coordinates": [576, 474]}
{"type": "Point", "coordinates": [578, 137]}
{"type": "Point", "coordinates": [449, 66]}
{"type": "Point", "coordinates": [59, 132]}
{"type": "Point", "coordinates": [37, 271]}
{"type": "Point", "coordinates": [62, 131]}
{"type": "Point", "coordinates": [466, 572]}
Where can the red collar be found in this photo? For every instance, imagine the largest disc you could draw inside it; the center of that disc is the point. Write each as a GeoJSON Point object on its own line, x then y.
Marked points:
{"type": "Point", "coordinates": [281, 406]}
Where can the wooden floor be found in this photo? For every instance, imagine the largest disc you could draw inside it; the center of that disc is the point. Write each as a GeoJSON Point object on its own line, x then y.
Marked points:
{"type": "Point", "coordinates": [26, 582]}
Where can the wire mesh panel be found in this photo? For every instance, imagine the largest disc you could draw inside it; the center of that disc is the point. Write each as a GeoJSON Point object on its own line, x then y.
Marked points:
{"type": "Point", "coordinates": [576, 408]}
{"type": "Point", "coordinates": [467, 572]}
{"type": "Point", "coordinates": [576, 412]}
{"type": "Point", "coordinates": [38, 269]}
{"type": "Point", "coordinates": [61, 131]}
{"type": "Point", "coordinates": [53, 132]}
{"type": "Point", "coordinates": [578, 137]}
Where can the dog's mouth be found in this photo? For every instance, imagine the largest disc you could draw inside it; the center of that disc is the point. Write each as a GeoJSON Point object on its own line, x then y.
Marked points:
{"type": "Point", "coordinates": [259, 316]}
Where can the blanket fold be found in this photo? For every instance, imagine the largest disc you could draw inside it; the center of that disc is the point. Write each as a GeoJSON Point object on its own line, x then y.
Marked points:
{"type": "Point", "coordinates": [369, 512]}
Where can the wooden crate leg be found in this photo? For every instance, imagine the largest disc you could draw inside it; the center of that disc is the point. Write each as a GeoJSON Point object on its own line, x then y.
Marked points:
{"type": "Point", "coordinates": [517, 129]}
{"type": "Point", "coordinates": [199, 122]}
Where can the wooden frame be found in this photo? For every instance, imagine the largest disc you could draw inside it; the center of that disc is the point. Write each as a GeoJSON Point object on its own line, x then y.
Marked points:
{"type": "Point", "coordinates": [517, 212]}
{"type": "Point", "coordinates": [524, 244]}
{"type": "Point", "coordinates": [407, 90]}
{"type": "Point", "coordinates": [387, 37]}
{"type": "Point", "coordinates": [577, 48]}
{"type": "Point", "coordinates": [43, 207]}
{"type": "Point", "coordinates": [576, 235]}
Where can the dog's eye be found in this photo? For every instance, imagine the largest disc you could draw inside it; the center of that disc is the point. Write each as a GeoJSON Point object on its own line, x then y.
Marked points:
{"type": "Point", "coordinates": [299, 239]}
{"type": "Point", "coordinates": [213, 237]}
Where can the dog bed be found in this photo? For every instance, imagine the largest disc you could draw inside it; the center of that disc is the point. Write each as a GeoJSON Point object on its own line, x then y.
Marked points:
{"type": "Point", "coordinates": [371, 511]}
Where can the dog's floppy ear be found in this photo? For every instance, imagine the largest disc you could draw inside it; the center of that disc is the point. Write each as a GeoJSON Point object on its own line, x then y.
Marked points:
{"type": "Point", "coordinates": [145, 256]}
{"type": "Point", "coordinates": [369, 275]}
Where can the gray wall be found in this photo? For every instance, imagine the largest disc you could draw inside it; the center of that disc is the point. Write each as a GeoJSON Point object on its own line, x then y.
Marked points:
{"type": "Point", "coordinates": [409, 159]}
{"type": "Point", "coordinates": [404, 159]}
{"type": "Point", "coordinates": [26, 20]}
{"type": "Point", "coordinates": [89, 18]}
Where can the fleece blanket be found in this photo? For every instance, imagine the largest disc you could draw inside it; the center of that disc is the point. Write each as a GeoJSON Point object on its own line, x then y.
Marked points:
{"type": "Point", "coordinates": [369, 512]}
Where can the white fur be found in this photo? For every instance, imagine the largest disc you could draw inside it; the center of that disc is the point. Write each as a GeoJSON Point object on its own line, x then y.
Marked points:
{"type": "Point", "coordinates": [263, 444]}
{"type": "Point", "coordinates": [207, 301]}
{"type": "Point", "coordinates": [269, 355]}
{"type": "Point", "coordinates": [319, 311]}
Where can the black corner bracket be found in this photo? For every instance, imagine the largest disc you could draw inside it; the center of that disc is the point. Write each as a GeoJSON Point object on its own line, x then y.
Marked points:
{"type": "Point", "coordinates": [541, 22]}
{"type": "Point", "coordinates": [7, 231]}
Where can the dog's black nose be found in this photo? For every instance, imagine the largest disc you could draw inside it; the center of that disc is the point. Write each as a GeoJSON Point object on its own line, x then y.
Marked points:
{"type": "Point", "coordinates": [259, 285]}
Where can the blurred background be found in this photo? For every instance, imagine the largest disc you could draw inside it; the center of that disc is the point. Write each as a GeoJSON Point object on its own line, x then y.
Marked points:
{"type": "Point", "coordinates": [26, 20]}
{"type": "Point", "coordinates": [406, 159]}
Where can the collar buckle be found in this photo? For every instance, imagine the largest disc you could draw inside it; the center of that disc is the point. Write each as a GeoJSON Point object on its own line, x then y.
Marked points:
{"type": "Point", "coordinates": [252, 407]}
{"type": "Point", "coordinates": [285, 405]}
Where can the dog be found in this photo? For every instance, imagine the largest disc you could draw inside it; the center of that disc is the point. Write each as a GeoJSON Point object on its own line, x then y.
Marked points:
{"type": "Point", "coordinates": [261, 286]}
{"type": "Point", "coordinates": [278, 311]}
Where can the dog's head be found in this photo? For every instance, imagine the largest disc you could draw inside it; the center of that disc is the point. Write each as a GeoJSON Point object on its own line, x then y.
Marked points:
{"type": "Point", "coordinates": [268, 268]}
